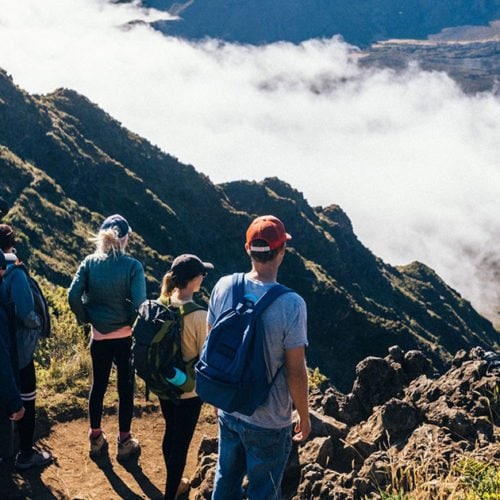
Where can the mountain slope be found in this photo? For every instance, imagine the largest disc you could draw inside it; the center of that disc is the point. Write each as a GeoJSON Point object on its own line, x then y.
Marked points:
{"type": "Point", "coordinates": [360, 22]}
{"type": "Point", "coordinates": [66, 164]}
{"type": "Point", "coordinates": [458, 39]}
{"type": "Point", "coordinates": [359, 298]}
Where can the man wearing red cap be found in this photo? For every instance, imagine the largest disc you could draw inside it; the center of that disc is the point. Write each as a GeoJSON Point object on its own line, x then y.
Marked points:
{"type": "Point", "coordinates": [258, 445]}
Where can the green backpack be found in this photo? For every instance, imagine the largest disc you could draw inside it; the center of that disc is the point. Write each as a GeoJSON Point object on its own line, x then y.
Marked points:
{"type": "Point", "coordinates": [156, 347]}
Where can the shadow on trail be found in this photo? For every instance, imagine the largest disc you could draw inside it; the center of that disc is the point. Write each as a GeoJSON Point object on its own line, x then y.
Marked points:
{"type": "Point", "coordinates": [135, 470]}
{"type": "Point", "coordinates": [26, 484]}
{"type": "Point", "coordinates": [104, 463]}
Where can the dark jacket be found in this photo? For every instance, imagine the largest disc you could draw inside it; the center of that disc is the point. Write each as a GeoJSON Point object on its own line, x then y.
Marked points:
{"type": "Point", "coordinates": [16, 288]}
{"type": "Point", "coordinates": [10, 399]}
{"type": "Point", "coordinates": [107, 290]}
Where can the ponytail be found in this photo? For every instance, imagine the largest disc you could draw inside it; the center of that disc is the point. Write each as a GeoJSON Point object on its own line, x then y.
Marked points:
{"type": "Point", "coordinates": [168, 285]}
{"type": "Point", "coordinates": [107, 241]}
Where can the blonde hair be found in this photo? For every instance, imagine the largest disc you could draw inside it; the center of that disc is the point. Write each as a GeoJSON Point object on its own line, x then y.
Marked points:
{"type": "Point", "coordinates": [107, 241]}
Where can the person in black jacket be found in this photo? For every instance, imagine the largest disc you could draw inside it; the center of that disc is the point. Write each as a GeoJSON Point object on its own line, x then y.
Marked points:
{"type": "Point", "coordinates": [11, 404]}
{"type": "Point", "coordinates": [15, 288]}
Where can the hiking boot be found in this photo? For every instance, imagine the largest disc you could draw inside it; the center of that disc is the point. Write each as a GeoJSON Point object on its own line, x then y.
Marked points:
{"type": "Point", "coordinates": [128, 448]}
{"type": "Point", "coordinates": [184, 486]}
{"type": "Point", "coordinates": [98, 445]}
{"type": "Point", "coordinates": [34, 459]}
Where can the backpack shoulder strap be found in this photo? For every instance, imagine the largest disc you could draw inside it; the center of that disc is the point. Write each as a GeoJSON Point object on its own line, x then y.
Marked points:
{"type": "Point", "coordinates": [162, 301]}
{"type": "Point", "coordinates": [190, 307]}
{"type": "Point", "coordinates": [22, 266]}
{"type": "Point", "coordinates": [270, 296]}
{"type": "Point", "coordinates": [265, 301]}
{"type": "Point", "coordinates": [238, 288]}
{"type": "Point", "coordinates": [183, 309]}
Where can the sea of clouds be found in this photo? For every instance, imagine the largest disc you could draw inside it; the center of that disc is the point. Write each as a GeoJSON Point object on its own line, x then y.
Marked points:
{"type": "Point", "coordinates": [413, 161]}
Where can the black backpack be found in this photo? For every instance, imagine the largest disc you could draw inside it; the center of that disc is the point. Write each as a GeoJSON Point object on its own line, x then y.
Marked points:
{"type": "Point", "coordinates": [41, 306]}
{"type": "Point", "coordinates": [156, 347]}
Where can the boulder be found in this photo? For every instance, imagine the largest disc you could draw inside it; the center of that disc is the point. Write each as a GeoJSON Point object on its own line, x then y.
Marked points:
{"type": "Point", "coordinates": [332, 401]}
{"type": "Point", "coordinates": [203, 481]}
{"type": "Point", "coordinates": [319, 451]}
{"type": "Point", "coordinates": [396, 354]}
{"type": "Point", "coordinates": [364, 439]}
{"type": "Point", "coordinates": [324, 425]}
{"type": "Point", "coordinates": [376, 469]}
{"type": "Point", "coordinates": [415, 363]}
{"type": "Point", "coordinates": [399, 419]}
{"type": "Point", "coordinates": [377, 380]}
{"type": "Point", "coordinates": [456, 421]}
{"type": "Point", "coordinates": [318, 483]}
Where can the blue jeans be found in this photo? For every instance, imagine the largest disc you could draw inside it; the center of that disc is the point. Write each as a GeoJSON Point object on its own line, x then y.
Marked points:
{"type": "Point", "coordinates": [259, 452]}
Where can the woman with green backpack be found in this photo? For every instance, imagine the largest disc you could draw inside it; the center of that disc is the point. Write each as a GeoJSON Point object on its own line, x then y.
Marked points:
{"type": "Point", "coordinates": [178, 287]}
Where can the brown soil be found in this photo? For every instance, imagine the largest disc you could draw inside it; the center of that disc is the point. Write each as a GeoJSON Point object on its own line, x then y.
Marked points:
{"type": "Point", "coordinates": [73, 475]}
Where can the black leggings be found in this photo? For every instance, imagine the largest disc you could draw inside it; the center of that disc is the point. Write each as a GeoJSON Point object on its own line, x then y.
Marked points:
{"type": "Point", "coordinates": [180, 422]}
{"type": "Point", "coordinates": [103, 353]}
{"type": "Point", "coordinates": [26, 426]}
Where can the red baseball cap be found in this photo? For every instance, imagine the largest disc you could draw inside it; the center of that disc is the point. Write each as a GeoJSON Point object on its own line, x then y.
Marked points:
{"type": "Point", "coordinates": [269, 229]}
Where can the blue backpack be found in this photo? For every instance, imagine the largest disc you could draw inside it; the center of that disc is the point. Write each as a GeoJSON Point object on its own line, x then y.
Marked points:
{"type": "Point", "coordinates": [232, 372]}
{"type": "Point", "coordinates": [41, 306]}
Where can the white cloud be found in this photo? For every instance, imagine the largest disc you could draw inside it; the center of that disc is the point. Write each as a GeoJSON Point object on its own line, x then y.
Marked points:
{"type": "Point", "coordinates": [412, 160]}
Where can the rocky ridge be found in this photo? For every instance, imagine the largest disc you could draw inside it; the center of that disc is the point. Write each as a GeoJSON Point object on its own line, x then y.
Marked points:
{"type": "Point", "coordinates": [400, 425]}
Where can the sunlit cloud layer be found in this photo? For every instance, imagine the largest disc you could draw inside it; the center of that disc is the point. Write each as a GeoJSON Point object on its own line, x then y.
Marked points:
{"type": "Point", "coordinates": [413, 161]}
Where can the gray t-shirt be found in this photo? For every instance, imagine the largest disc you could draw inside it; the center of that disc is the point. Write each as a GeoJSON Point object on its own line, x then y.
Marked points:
{"type": "Point", "coordinates": [285, 322]}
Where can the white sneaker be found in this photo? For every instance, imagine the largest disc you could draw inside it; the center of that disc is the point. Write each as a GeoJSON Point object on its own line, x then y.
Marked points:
{"type": "Point", "coordinates": [128, 448]}
{"type": "Point", "coordinates": [98, 446]}
{"type": "Point", "coordinates": [35, 459]}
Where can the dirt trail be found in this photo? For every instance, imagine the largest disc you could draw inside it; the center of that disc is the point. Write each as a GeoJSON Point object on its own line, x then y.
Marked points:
{"type": "Point", "coordinates": [73, 475]}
